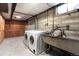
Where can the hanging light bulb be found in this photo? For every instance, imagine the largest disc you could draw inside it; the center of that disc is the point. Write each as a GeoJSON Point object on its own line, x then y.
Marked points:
{"type": "Point", "coordinates": [18, 17]}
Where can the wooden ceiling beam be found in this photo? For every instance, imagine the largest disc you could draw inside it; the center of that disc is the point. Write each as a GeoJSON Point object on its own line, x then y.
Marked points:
{"type": "Point", "coordinates": [13, 9]}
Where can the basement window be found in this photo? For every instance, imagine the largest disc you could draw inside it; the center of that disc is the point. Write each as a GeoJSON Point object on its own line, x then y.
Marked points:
{"type": "Point", "coordinates": [67, 7]}
{"type": "Point", "coordinates": [73, 6]}
{"type": "Point", "coordinates": [62, 9]}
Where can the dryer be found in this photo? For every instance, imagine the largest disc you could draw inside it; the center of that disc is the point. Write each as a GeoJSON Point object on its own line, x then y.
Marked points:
{"type": "Point", "coordinates": [36, 45]}
{"type": "Point", "coordinates": [26, 41]}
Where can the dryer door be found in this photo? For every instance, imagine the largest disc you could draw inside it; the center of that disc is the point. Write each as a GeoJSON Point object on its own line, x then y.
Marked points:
{"type": "Point", "coordinates": [32, 44]}
{"type": "Point", "coordinates": [26, 40]}
{"type": "Point", "coordinates": [31, 40]}
{"type": "Point", "coordinates": [26, 37]}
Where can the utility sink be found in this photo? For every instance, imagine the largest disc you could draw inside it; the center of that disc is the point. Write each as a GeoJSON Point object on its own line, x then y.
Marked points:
{"type": "Point", "coordinates": [48, 34]}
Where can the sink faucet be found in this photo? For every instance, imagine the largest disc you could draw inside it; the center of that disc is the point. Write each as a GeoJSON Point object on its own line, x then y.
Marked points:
{"type": "Point", "coordinates": [61, 29]}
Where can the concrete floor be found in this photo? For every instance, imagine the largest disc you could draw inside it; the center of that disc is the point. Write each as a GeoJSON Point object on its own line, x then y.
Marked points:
{"type": "Point", "coordinates": [15, 47]}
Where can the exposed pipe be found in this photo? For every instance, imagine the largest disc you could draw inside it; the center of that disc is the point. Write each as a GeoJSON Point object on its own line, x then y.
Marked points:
{"type": "Point", "coordinates": [47, 18]}
{"type": "Point", "coordinates": [36, 18]}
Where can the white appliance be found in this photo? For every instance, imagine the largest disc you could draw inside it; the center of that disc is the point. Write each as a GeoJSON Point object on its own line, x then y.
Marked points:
{"type": "Point", "coordinates": [36, 45]}
{"type": "Point", "coordinates": [26, 41]}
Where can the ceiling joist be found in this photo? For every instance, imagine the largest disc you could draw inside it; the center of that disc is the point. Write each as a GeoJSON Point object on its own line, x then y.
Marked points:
{"type": "Point", "coordinates": [12, 10]}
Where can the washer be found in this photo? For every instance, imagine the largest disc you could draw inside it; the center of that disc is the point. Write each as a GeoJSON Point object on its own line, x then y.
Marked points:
{"type": "Point", "coordinates": [36, 45]}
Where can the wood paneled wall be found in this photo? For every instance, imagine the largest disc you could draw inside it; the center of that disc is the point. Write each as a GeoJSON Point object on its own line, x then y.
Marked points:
{"type": "Point", "coordinates": [2, 24]}
{"type": "Point", "coordinates": [14, 28]}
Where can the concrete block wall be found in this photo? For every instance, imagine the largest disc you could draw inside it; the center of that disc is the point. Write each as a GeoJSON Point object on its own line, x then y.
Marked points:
{"type": "Point", "coordinates": [40, 21]}
{"type": "Point", "coordinates": [72, 20]}
{"type": "Point", "coordinates": [45, 21]}
{"type": "Point", "coordinates": [31, 24]}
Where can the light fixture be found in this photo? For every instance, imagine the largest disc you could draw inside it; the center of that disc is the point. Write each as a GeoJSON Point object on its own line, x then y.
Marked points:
{"type": "Point", "coordinates": [18, 17]}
